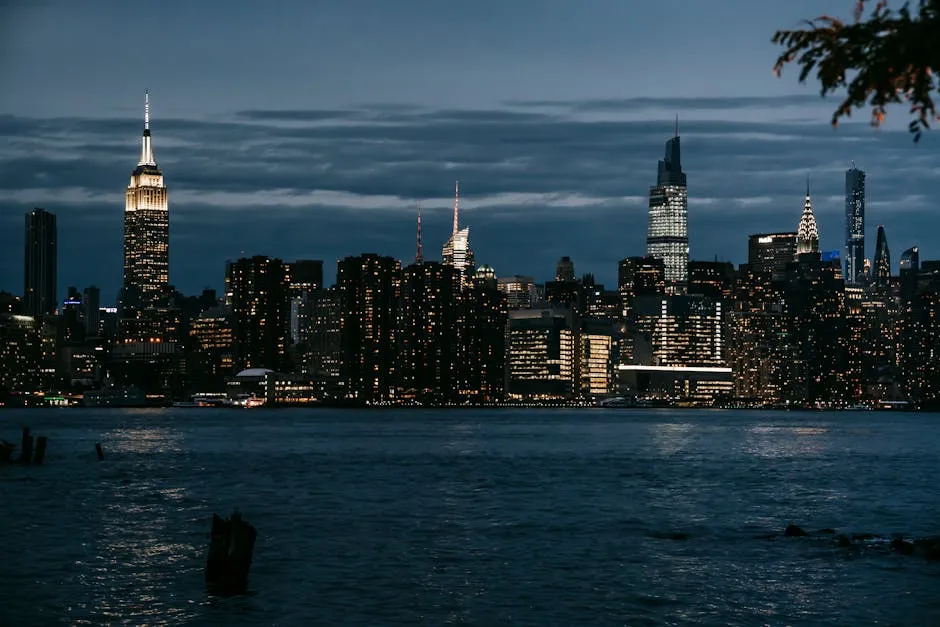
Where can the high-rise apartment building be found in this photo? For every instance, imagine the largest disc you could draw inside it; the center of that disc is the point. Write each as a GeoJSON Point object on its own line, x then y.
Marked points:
{"type": "Point", "coordinates": [146, 232]}
{"type": "Point", "coordinates": [854, 225]}
{"type": "Point", "coordinates": [260, 312]}
{"type": "Point", "coordinates": [40, 263]}
{"type": "Point", "coordinates": [667, 237]}
{"type": "Point", "coordinates": [369, 290]}
{"type": "Point", "coordinates": [428, 340]}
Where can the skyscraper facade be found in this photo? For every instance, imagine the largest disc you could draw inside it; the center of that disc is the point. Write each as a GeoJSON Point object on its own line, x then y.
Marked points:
{"type": "Point", "coordinates": [807, 235]}
{"type": "Point", "coordinates": [146, 231]}
{"type": "Point", "coordinates": [771, 252]}
{"type": "Point", "coordinates": [40, 264]}
{"type": "Point", "coordinates": [881, 271]}
{"type": "Point", "coordinates": [260, 312]}
{"type": "Point", "coordinates": [854, 225]}
{"type": "Point", "coordinates": [369, 288]}
{"type": "Point", "coordinates": [667, 237]}
{"type": "Point", "coordinates": [456, 251]}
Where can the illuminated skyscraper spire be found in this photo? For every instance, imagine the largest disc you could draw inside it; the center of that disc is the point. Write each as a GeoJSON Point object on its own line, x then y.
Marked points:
{"type": "Point", "coordinates": [419, 256]}
{"type": "Point", "coordinates": [807, 235]}
{"type": "Point", "coordinates": [146, 150]}
{"type": "Point", "coordinates": [456, 205]}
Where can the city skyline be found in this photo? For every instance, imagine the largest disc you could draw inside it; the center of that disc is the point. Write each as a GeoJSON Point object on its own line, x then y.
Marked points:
{"type": "Point", "coordinates": [555, 168]}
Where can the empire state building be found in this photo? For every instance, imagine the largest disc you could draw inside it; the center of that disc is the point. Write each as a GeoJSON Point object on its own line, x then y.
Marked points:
{"type": "Point", "coordinates": [146, 232]}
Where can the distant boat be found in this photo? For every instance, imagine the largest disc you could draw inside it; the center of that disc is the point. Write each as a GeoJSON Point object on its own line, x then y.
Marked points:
{"type": "Point", "coordinates": [131, 396]}
{"type": "Point", "coordinates": [859, 407]}
{"type": "Point", "coordinates": [192, 404]}
{"type": "Point", "coordinates": [617, 402]}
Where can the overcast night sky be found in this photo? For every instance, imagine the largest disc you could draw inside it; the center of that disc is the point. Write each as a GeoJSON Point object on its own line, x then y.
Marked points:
{"type": "Point", "coordinates": [304, 129]}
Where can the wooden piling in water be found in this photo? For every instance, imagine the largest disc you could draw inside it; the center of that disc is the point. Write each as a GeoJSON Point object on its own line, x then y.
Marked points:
{"type": "Point", "coordinates": [99, 451]}
{"type": "Point", "coordinates": [41, 442]}
{"type": "Point", "coordinates": [231, 544]}
{"type": "Point", "coordinates": [26, 447]}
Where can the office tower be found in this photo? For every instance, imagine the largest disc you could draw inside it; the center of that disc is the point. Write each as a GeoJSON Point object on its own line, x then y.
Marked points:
{"type": "Point", "coordinates": [881, 270]}
{"type": "Point", "coordinates": [771, 252]}
{"type": "Point", "coordinates": [456, 251]}
{"type": "Point", "coordinates": [40, 264]}
{"type": "Point", "coordinates": [668, 234]}
{"type": "Point", "coordinates": [760, 350]}
{"type": "Point", "coordinates": [688, 332]}
{"type": "Point", "coordinates": [854, 225]}
{"type": "Point", "coordinates": [596, 353]}
{"type": "Point", "coordinates": [369, 290]}
{"type": "Point", "coordinates": [599, 302]}
{"type": "Point", "coordinates": [259, 312]}
{"type": "Point", "coordinates": [815, 305]}
{"type": "Point", "coordinates": [910, 260]}
{"type": "Point", "coordinates": [482, 358]}
{"type": "Point", "coordinates": [920, 331]}
{"type": "Point", "coordinates": [714, 279]}
{"type": "Point", "coordinates": [305, 276]}
{"type": "Point", "coordinates": [427, 340]}
{"type": "Point", "coordinates": [323, 357]}
{"type": "Point", "coordinates": [20, 354]}
{"type": "Point", "coordinates": [91, 301]}
{"type": "Point", "coordinates": [518, 290]}
{"type": "Point", "coordinates": [641, 283]}
{"type": "Point", "coordinates": [807, 235]}
{"type": "Point", "coordinates": [564, 269]}
{"type": "Point", "coordinates": [146, 232]}
{"type": "Point", "coordinates": [213, 357]}
{"type": "Point", "coordinates": [540, 358]}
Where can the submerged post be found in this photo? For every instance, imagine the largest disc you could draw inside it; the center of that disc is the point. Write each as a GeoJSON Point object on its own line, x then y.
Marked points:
{"type": "Point", "coordinates": [26, 447]}
{"type": "Point", "coordinates": [41, 442]}
{"type": "Point", "coordinates": [231, 544]}
{"type": "Point", "coordinates": [99, 451]}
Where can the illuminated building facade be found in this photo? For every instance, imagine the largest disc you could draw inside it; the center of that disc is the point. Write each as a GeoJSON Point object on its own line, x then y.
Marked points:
{"type": "Point", "coordinates": [369, 289]}
{"type": "Point", "coordinates": [854, 226]}
{"type": "Point", "coordinates": [807, 235]}
{"type": "Point", "coordinates": [688, 332]}
{"type": "Point", "coordinates": [146, 232]}
{"type": "Point", "coordinates": [760, 353]}
{"type": "Point", "coordinates": [40, 263]}
{"type": "Point", "coordinates": [667, 237]}
{"type": "Point", "coordinates": [564, 270]}
{"type": "Point", "coordinates": [20, 354]}
{"type": "Point", "coordinates": [519, 291]}
{"type": "Point", "coordinates": [213, 356]}
{"type": "Point", "coordinates": [322, 358]}
{"type": "Point", "coordinates": [541, 354]}
{"type": "Point", "coordinates": [596, 354]}
{"type": "Point", "coordinates": [770, 253]}
{"type": "Point", "coordinates": [428, 340]}
{"type": "Point", "coordinates": [483, 327]}
{"type": "Point", "coordinates": [260, 312]}
{"type": "Point", "coordinates": [456, 251]}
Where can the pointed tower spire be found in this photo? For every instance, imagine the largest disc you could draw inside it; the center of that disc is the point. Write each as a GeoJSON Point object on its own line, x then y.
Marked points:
{"type": "Point", "coordinates": [807, 235]}
{"type": "Point", "coordinates": [419, 256]}
{"type": "Point", "coordinates": [146, 149]}
{"type": "Point", "coordinates": [456, 204]}
{"type": "Point", "coordinates": [676, 134]}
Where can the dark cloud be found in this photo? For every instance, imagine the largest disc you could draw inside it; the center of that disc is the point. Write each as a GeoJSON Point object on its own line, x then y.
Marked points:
{"type": "Point", "coordinates": [327, 183]}
{"type": "Point", "coordinates": [669, 104]}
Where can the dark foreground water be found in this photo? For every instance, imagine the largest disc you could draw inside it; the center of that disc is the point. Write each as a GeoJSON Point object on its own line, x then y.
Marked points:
{"type": "Point", "coordinates": [471, 517]}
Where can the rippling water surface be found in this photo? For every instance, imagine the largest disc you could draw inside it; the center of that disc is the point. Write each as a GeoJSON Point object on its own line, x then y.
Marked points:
{"type": "Point", "coordinates": [529, 517]}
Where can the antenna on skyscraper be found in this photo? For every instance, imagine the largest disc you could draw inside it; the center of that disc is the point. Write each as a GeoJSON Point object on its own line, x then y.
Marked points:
{"type": "Point", "coordinates": [419, 256]}
{"type": "Point", "coordinates": [677, 126]}
{"type": "Point", "coordinates": [456, 203]}
{"type": "Point", "coordinates": [807, 185]}
{"type": "Point", "coordinates": [147, 109]}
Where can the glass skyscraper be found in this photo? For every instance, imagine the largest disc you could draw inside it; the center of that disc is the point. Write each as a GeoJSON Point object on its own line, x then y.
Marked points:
{"type": "Point", "coordinates": [668, 235]}
{"type": "Point", "coordinates": [40, 265]}
{"type": "Point", "coordinates": [854, 225]}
